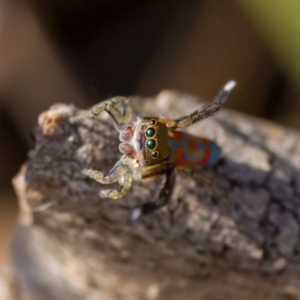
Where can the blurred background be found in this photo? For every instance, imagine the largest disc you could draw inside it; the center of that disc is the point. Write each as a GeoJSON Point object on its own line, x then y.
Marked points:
{"type": "Point", "coordinates": [87, 50]}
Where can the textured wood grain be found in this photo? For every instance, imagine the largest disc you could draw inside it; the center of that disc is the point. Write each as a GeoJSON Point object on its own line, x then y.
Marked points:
{"type": "Point", "coordinates": [239, 240]}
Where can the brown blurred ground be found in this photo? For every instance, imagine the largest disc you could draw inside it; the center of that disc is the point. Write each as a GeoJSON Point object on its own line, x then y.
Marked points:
{"type": "Point", "coordinates": [81, 52]}
{"type": "Point", "coordinates": [8, 216]}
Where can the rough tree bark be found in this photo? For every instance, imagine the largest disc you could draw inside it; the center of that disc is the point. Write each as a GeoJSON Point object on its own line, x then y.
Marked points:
{"type": "Point", "coordinates": [239, 242]}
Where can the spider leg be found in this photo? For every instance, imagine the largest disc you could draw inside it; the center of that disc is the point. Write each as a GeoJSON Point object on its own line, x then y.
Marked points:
{"type": "Point", "coordinates": [120, 173]}
{"type": "Point", "coordinates": [165, 193]}
{"type": "Point", "coordinates": [205, 112]}
{"type": "Point", "coordinates": [118, 108]}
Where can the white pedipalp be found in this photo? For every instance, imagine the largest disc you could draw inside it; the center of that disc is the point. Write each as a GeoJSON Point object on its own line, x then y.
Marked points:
{"type": "Point", "coordinates": [135, 141]}
{"type": "Point", "coordinates": [133, 165]}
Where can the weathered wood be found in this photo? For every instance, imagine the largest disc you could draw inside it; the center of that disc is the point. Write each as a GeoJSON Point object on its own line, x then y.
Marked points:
{"type": "Point", "coordinates": [239, 242]}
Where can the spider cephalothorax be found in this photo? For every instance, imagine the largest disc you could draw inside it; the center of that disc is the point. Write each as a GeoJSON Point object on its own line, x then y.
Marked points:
{"type": "Point", "coordinates": [146, 141]}
{"type": "Point", "coordinates": [153, 146]}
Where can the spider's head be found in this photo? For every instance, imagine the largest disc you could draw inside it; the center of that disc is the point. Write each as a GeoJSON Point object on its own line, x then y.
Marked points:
{"type": "Point", "coordinates": [147, 142]}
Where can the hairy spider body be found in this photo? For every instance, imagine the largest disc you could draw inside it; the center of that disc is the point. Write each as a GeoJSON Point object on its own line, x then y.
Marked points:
{"type": "Point", "coordinates": [146, 142]}
{"type": "Point", "coordinates": [153, 147]}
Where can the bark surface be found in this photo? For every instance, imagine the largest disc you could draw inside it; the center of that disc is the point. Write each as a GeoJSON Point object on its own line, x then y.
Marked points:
{"type": "Point", "coordinates": [237, 240]}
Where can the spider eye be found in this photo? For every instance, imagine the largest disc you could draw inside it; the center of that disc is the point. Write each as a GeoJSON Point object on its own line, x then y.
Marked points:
{"type": "Point", "coordinates": [154, 154]}
{"type": "Point", "coordinates": [151, 144]}
{"type": "Point", "coordinates": [150, 132]}
{"type": "Point", "coordinates": [152, 122]}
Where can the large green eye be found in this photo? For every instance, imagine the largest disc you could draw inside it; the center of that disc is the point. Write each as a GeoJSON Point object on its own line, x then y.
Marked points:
{"type": "Point", "coordinates": [151, 144]}
{"type": "Point", "coordinates": [154, 154]}
{"type": "Point", "coordinates": [150, 132]}
{"type": "Point", "coordinates": [152, 122]}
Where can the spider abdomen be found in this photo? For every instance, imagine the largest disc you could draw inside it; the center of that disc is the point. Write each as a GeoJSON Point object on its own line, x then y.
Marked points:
{"type": "Point", "coordinates": [192, 151]}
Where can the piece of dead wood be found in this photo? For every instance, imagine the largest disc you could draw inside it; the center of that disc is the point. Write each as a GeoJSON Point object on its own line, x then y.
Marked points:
{"type": "Point", "coordinates": [237, 241]}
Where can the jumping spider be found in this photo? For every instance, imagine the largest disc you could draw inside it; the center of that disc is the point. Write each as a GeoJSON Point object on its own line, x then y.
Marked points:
{"type": "Point", "coordinates": [153, 146]}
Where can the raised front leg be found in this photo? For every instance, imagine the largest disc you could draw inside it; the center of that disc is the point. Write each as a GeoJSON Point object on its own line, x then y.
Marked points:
{"type": "Point", "coordinates": [205, 112]}
{"type": "Point", "coordinates": [120, 173]}
{"type": "Point", "coordinates": [118, 108]}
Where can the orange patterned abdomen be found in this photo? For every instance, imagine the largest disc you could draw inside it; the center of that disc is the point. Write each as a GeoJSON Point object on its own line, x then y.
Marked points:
{"type": "Point", "coordinates": [191, 151]}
